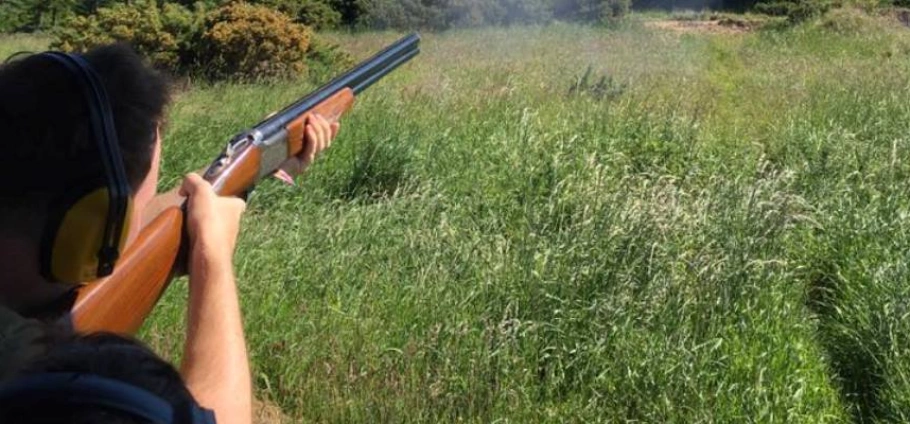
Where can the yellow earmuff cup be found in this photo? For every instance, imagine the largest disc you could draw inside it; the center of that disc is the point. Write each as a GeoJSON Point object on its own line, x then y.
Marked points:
{"type": "Point", "coordinates": [74, 255]}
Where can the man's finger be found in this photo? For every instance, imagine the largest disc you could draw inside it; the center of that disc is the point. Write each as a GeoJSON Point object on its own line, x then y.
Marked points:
{"type": "Point", "coordinates": [194, 185]}
{"type": "Point", "coordinates": [327, 131]}
{"type": "Point", "coordinates": [189, 185]}
{"type": "Point", "coordinates": [320, 119]}
{"type": "Point", "coordinates": [284, 176]}
{"type": "Point", "coordinates": [335, 127]}
{"type": "Point", "coordinates": [322, 132]}
{"type": "Point", "coordinates": [321, 127]}
{"type": "Point", "coordinates": [309, 148]}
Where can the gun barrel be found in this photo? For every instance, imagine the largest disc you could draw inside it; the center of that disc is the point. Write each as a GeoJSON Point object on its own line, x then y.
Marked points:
{"type": "Point", "coordinates": [372, 78]}
{"type": "Point", "coordinates": [357, 79]}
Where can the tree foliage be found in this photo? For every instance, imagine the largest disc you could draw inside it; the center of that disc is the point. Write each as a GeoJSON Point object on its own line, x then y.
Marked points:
{"type": "Point", "coordinates": [33, 15]}
{"type": "Point", "coordinates": [795, 10]}
{"type": "Point", "coordinates": [237, 40]}
{"type": "Point", "coordinates": [318, 14]}
{"type": "Point", "coordinates": [27, 15]}
{"type": "Point", "coordinates": [252, 41]}
{"type": "Point", "coordinates": [138, 24]}
{"type": "Point", "coordinates": [591, 10]}
{"type": "Point", "coordinates": [16, 15]}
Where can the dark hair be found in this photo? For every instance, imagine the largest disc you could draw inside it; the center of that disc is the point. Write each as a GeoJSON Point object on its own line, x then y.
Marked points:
{"type": "Point", "coordinates": [104, 355]}
{"type": "Point", "coordinates": [45, 136]}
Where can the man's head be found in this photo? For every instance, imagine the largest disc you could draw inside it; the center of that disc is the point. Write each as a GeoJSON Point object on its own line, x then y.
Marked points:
{"type": "Point", "coordinates": [47, 142]}
{"type": "Point", "coordinates": [48, 149]}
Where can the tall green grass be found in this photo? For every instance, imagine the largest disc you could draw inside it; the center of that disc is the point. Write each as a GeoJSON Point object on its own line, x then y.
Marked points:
{"type": "Point", "coordinates": [723, 238]}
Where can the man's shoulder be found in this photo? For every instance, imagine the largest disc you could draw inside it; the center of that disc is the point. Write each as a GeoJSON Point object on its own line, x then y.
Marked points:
{"type": "Point", "coordinates": [21, 340]}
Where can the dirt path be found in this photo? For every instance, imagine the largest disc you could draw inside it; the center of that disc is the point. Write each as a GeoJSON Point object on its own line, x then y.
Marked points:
{"type": "Point", "coordinates": [265, 412]}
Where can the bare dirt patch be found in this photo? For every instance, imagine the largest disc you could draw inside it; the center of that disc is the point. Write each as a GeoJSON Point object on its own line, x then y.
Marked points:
{"type": "Point", "coordinates": [266, 412]}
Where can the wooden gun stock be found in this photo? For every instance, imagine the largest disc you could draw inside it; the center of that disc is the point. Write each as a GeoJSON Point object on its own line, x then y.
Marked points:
{"type": "Point", "coordinates": [121, 302]}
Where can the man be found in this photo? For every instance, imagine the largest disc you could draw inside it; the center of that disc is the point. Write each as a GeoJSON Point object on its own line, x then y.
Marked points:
{"type": "Point", "coordinates": [66, 385]}
{"type": "Point", "coordinates": [47, 149]}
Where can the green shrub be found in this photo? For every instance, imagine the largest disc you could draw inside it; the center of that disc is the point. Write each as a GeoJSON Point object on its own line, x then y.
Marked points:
{"type": "Point", "coordinates": [591, 10]}
{"type": "Point", "coordinates": [323, 14]}
{"type": "Point", "coordinates": [404, 14]}
{"type": "Point", "coordinates": [88, 7]}
{"type": "Point", "coordinates": [186, 27]}
{"type": "Point", "coordinates": [849, 21]}
{"type": "Point", "coordinates": [326, 60]}
{"type": "Point", "coordinates": [138, 24]}
{"type": "Point", "coordinates": [16, 15]}
{"type": "Point", "coordinates": [247, 41]}
{"type": "Point", "coordinates": [181, 22]}
{"type": "Point", "coordinates": [236, 41]}
{"type": "Point", "coordinates": [317, 14]}
{"type": "Point", "coordinates": [795, 10]}
{"type": "Point", "coordinates": [34, 15]}
{"type": "Point", "coordinates": [613, 10]}
{"type": "Point", "coordinates": [349, 11]}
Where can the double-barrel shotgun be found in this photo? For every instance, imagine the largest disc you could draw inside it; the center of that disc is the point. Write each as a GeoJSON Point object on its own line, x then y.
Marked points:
{"type": "Point", "coordinates": [121, 302]}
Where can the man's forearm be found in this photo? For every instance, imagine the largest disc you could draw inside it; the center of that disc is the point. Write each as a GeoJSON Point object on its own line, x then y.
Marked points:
{"type": "Point", "coordinates": [215, 364]}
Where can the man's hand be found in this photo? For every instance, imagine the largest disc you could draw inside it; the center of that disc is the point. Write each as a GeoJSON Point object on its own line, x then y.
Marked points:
{"type": "Point", "coordinates": [212, 221]}
{"type": "Point", "coordinates": [318, 136]}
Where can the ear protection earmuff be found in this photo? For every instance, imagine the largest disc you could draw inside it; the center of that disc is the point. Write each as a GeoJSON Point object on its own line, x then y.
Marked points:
{"type": "Point", "coordinates": [47, 390]}
{"type": "Point", "coordinates": [88, 225]}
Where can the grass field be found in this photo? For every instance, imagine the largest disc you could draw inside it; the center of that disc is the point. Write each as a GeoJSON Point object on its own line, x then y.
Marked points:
{"type": "Point", "coordinates": [716, 232]}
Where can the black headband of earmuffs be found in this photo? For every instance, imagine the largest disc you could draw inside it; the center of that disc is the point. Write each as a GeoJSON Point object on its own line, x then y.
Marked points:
{"type": "Point", "coordinates": [52, 389]}
{"type": "Point", "coordinates": [102, 125]}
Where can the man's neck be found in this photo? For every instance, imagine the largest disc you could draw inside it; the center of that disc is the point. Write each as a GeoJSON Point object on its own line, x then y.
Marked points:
{"type": "Point", "coordinates": [22, 287]}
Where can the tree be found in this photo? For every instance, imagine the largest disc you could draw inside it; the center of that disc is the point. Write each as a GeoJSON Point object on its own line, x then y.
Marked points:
{"type": "Point", "coordinates": [591, 10]}
{"type": "Point", "coordinates": [31, 15]}
{"type": "Point", "coordinates": [16, 15]}
{"type": "Point", "coordinates": [51, 12]}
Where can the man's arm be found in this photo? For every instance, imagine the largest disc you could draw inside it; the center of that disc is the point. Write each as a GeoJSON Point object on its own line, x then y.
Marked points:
{"type": "Point", "coordinates": [215, 364]}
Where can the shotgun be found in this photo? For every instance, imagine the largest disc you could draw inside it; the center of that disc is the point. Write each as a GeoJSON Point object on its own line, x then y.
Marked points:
{"type": "Point", "coordinates": [121, 302]}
